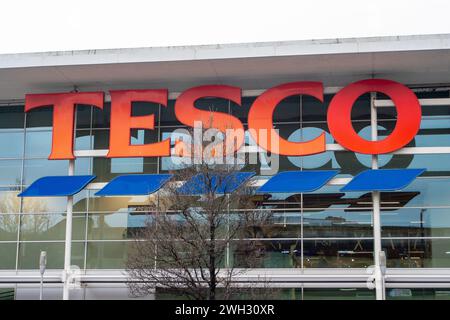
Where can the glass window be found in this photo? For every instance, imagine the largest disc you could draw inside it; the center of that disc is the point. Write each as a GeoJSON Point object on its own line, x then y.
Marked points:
{"type": "Point", "coordinates": [288, 110]}
{"type": "Point", "coordinates": [100, 139]}
{"type": "Point", "coordinates": [105, 169]}
{"type": "Point", "coordinates": [11, 144]}
{"type": "Point", "coordinates": [418, 294]}
{"type": "Point", "coordinates": [54, 204]}
{"type": "Point", "coordinates": [7, 294]}
{"type": "Point", "coordinates": [38, 144]}
{"type": "Point", "coordinates": [29, 253]}
{"type": "Point", "coordinates": [168, 117]}
{"type": "Point", "coordinates": [349, 253]}
{"type": "Point", "coordinates": [124, 204]}
{"type": "Point", "coordinates": [415, 222]}
{"type": "Point", "coordinates": [337, 224]}
{"type": "Point", "coordinates": [422, 192]}
{"type": "Point", "coordinates": [417, 253]}
{"type": "Point", "coordinates": [40, 118]}
{"type": "Point", "coordinates": [107, 255]}
{"type": "Point", "coordinates": [10, 172]}
{"type": "Point", "coordinates": [314, 110]}
{"type": "Point", "coordinates": [50, 227]}
{"type": "Point", "coordinates": [338, 294]}
{"type": "Point", "coordinates": [44, 204]}
{"type": "Point", "coordinates": [270, 253]}
{"type": "Point", "coordinates": [115, 226]}
{"type": "Point", "coordinates": [101, 118]}
{"type": "Point", "coordinates": [241, 112]}
{"type": "Point", "coordinates": [83, 166]}
{"type": "Point", "coordinates": [9, 202]}
{"type": "Point", "coordinates": [83, 140]}
{"type": "Point", "coordinates": [11, 117]}
{"type": "Point", "coordinates": [435, 164]}
{"type": "Point", "coordinates": [37, 168]}
{"type": "Point", "coordinates": [83, 119]}
{"type": "Point", "coordinates": [8, 227]}
{"type": "Point", "coordinates": [141, 108]}
{"type": "Point", "coordinates": [8, 252]}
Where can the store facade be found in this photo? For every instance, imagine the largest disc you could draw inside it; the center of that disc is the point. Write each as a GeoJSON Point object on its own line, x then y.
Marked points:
{"type": "Point", "coordinates": [320, 244]}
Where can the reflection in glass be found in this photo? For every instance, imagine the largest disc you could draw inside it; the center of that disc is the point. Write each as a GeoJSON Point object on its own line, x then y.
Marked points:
{"type": "Point", "coordinates": [353, 253]}
{"type": "Point", "coordinates": [50, 227]}
{"type": "Point", "coordinates": [11, 144]}
{"type": "Point", "coordinates": [29, 253]}
{"type": "Point", "coordinates": [8, 253]}
{"type": "Point", "coordinates": [116, 226]}
{"type": "Point", "coordinates": [415, 222]}
{"type": "Point", "coordinates": [417, 253]}
{"type": "Point", "coordinates": [38, 144]}
{"type": "Point", "coordinates": [123, 204]}
{"type": "Point", "coordinates": [107, 255]}
{"type": "Point", "coordinates": [106, 169]}
{"type": "Point", "coordinates": [8, 227]}
{"type": "Point", "coordinates": [10, 172]}
{"type": "Point", "coordinates": [337, 224]}
{"type": "Point", "coordinates": [9, 202]}
{"type": "Point", "coordinates": [266, 253]}
{"type": "Point", "coordinates": [37, 168]}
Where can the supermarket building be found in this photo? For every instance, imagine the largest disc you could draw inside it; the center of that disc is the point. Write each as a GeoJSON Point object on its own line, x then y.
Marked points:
{"type": "Point", "coordinates": [324, 242]}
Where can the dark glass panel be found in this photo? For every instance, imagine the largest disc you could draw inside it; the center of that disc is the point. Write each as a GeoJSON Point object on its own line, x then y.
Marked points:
{"type": "Point", "coordinates": [354, 253]}
{"type": "Point", "coordinates": [101, 118]}
{"type": "Point", "coordinates": [338, 294]}
{"type": "Point", "coordinates": [101, 139]}
{"type": "Point", "coordinates": [83, 119]}
{"type": "Point", "coordinates": [11, 117]}
{"type": "Point", "coordinates": [418, 294]}
{"type": "Point", "coordinates": [41, 118]}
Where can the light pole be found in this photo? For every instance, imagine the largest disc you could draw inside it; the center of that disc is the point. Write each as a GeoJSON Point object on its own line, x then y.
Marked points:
{"type": "Point", "coordinates": [42, 266]}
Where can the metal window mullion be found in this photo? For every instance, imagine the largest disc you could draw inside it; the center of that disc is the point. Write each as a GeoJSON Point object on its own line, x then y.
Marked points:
{"type": "Point", "coordinates": [22, 183]}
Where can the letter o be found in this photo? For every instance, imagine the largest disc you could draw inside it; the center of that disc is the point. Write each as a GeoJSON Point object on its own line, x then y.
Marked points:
{"type": "Point", "coordinates": [408, 116]}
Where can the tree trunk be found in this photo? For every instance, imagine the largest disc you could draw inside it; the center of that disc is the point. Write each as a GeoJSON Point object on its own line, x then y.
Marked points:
{"type": "Point", "coordinates": [212, 263]}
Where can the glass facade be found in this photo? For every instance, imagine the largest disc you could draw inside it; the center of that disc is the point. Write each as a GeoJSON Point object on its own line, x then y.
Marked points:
{"type": "Point", "coordinates": [325, 229]}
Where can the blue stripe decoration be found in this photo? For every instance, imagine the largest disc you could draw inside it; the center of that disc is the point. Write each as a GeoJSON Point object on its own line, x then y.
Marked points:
{"type": "Point", "coordinates": [219, 184]}
{"type": "Point", "coordinates": [57, 186]}
{"type": "Point", "coordinates": [297, 181]}
{"type": "Point", "coordinates": [134, 185]}
{"type": "Point", "coordinates": [382, 180]}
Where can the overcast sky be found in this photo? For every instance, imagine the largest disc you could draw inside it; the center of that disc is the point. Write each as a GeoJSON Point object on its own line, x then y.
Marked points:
{"type": "Point", "coordinates": [49, 25]}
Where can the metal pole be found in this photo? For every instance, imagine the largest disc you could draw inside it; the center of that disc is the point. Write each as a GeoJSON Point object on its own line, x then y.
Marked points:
{"type": "Point", "coordinates": [68, 241]}
{"type": "Point", "coordinates": [42, 266]}
{"type": "Point", "coordinates": [379, 288]}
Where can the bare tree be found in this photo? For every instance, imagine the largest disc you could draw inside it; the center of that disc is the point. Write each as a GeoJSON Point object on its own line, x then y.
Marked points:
{"type": "Point", "coordinates": [195, 232]}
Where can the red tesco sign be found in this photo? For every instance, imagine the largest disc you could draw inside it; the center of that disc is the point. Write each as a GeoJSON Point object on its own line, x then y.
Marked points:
{"type": "Point", "coordinates": [260, 117]}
